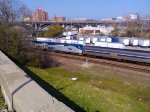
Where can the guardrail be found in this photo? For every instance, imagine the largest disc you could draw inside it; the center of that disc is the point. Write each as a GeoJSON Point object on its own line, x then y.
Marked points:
{"type": "Point", "coordinates": [22, 94]}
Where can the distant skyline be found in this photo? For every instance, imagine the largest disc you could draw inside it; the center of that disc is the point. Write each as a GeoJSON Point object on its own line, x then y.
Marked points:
{"type": "Point", "coordinates": [92, 9]}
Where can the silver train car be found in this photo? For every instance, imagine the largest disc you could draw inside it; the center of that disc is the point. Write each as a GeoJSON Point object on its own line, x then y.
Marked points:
{"type": "Point", "coordinates": [111, 53]}
{"type": "Point", "coordinates": [119, 54]}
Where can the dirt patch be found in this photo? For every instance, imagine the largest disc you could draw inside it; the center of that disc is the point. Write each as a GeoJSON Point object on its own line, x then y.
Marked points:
{"type": "Point", "coordinates": [127, 75]}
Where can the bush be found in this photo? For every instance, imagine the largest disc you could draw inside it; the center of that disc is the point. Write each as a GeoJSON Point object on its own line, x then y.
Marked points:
{"type": "Point", "coordinates": [33, 60]}
{"type": "Point", "coordinates": [38, 60]}
{"type": "Point", "coordinates": [48, 61]}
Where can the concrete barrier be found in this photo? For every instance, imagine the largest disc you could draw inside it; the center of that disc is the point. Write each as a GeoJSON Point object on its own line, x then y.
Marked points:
{"type": "Point", "coordinates": [22, 93]}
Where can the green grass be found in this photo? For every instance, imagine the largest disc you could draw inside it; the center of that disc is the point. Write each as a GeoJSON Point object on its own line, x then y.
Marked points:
{"type": "Point", "coordinates": [2, 104]}
{"type": "Point", "coordinates": [97, 91]}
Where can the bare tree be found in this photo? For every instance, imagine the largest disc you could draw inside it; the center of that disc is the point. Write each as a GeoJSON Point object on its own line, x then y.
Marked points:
{"type": "Point", "coordinates": [12, 10]}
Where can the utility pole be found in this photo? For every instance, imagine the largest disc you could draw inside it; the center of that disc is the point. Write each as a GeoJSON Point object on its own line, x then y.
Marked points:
{"type": "Point", "coordinates": [55, 19]}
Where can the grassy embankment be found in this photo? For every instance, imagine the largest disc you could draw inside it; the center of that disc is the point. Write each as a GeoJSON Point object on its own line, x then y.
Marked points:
{"type": "Point", "coordinates": [96, 90]}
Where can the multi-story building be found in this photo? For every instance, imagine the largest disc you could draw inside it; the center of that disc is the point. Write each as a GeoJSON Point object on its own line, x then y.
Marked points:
{"type": "Point", "coordinates": [58, 19]}
{"type": "Point", "coordinates": [133, 16]}
{"type": "Point", "coordinates": [129, 17]}
{"type": "Point", "coordinates": [40, 15]}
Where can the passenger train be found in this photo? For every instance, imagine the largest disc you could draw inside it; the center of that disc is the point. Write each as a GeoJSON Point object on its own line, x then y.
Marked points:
{"type": "Point", "coordinates": [113, 53]}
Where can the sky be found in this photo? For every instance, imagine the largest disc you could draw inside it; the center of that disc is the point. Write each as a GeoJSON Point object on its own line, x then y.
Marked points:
{"type": "Point", "coordinates": [92, 9]}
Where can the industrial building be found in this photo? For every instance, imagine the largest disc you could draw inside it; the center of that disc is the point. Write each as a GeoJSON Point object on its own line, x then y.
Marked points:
{"type": "Point", "coordinates": [59, 19]}
{"type": "Point", "coordinates": [96, 30]}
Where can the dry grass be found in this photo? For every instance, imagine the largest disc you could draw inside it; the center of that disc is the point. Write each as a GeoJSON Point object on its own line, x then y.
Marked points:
{"type": "Point", "coordinates": [2, 103]}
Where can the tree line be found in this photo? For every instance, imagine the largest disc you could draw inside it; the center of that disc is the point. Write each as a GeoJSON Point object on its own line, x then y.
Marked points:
{"type": "Point", "coordinates": [138, 28]}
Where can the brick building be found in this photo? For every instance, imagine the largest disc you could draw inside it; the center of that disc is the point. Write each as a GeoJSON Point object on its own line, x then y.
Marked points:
{"type": "Point", "coordinates": [40, 15]}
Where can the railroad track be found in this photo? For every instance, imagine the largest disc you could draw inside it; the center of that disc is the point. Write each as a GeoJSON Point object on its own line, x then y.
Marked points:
{"type": "Point", "coordinates": [112, 63]}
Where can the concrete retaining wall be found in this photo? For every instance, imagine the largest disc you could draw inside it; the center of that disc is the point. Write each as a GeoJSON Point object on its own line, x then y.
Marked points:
{"type": "Point", "coordinates": [22, 93]}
